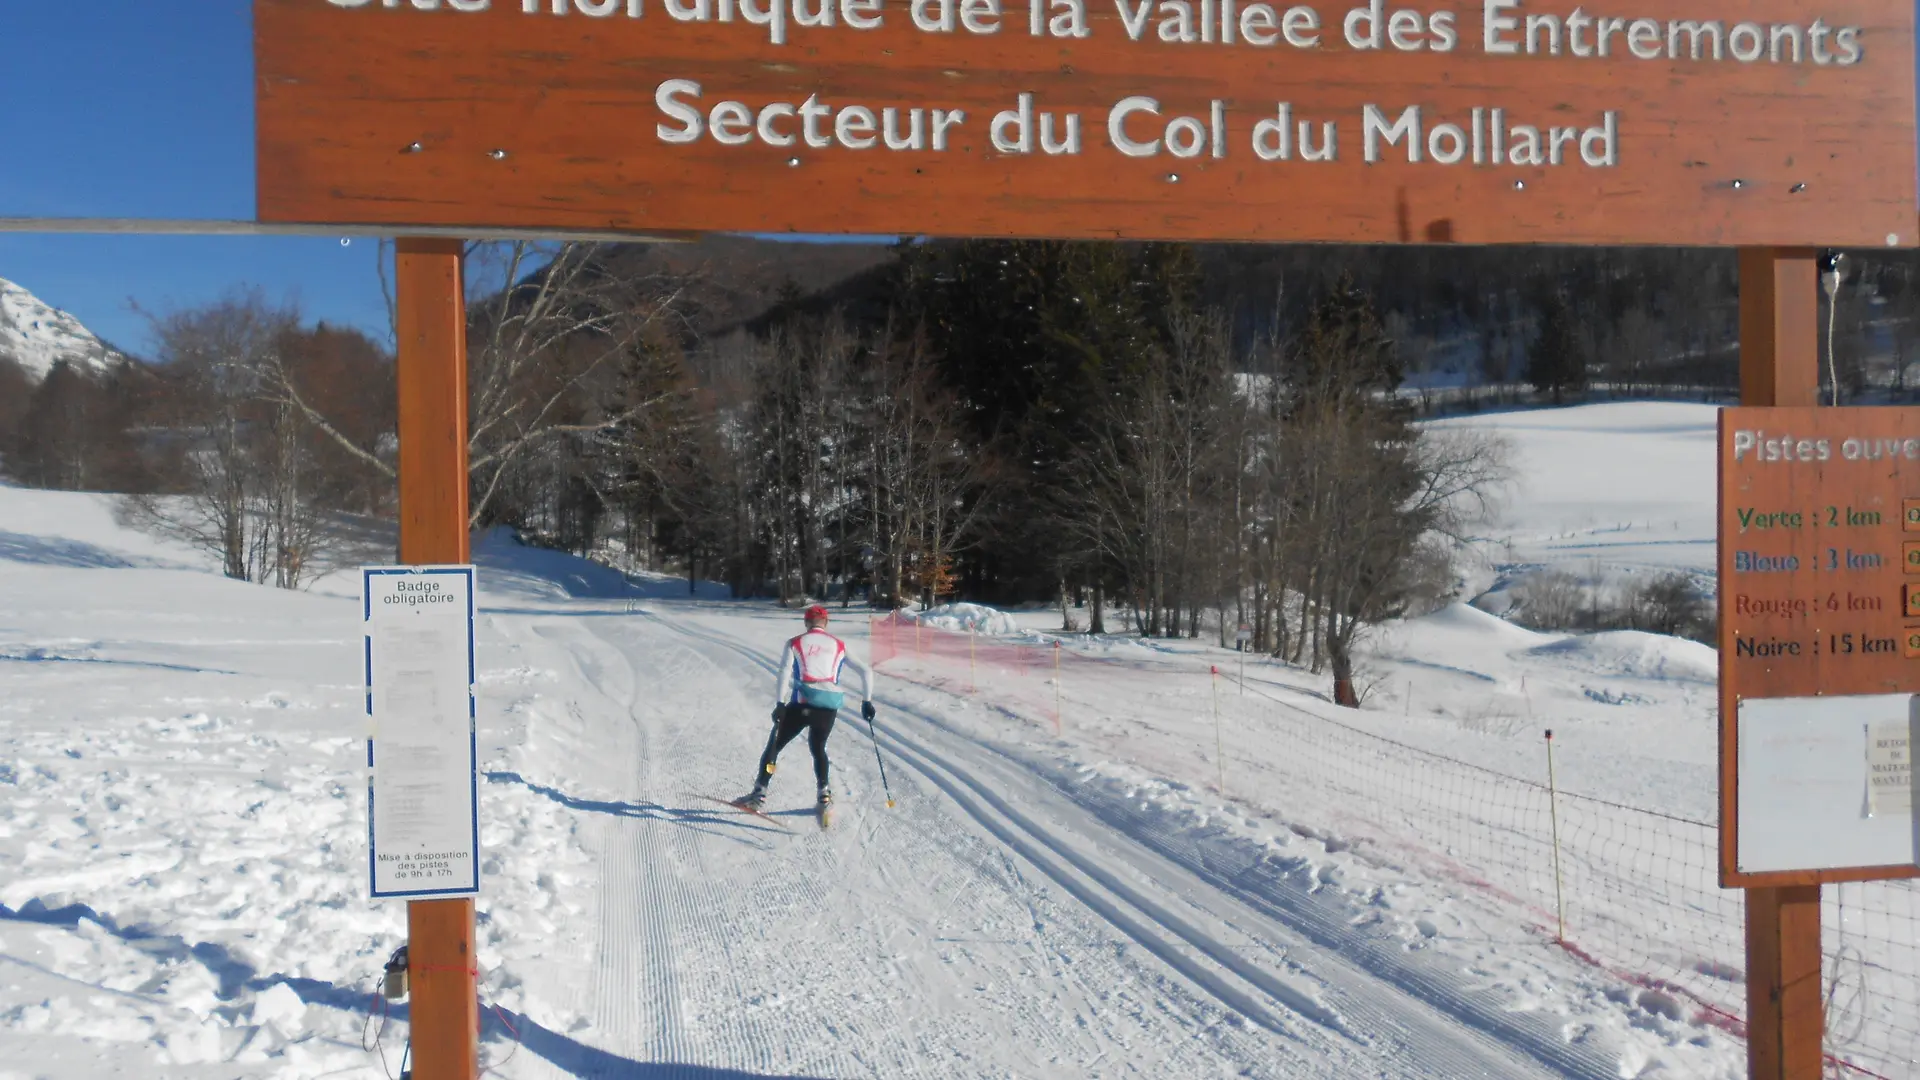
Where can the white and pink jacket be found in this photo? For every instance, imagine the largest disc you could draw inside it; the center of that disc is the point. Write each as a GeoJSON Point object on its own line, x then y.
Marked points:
{"type": "Point", "coordinates": [810, 672]}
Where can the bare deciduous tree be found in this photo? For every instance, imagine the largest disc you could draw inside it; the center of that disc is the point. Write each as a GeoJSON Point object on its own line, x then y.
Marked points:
{"type": "Point", "coordinates": [926, 487]}
{"type": "Point", "coordinates": [552, 339]}
{"type": "Point", "coordinates": [242, 485]}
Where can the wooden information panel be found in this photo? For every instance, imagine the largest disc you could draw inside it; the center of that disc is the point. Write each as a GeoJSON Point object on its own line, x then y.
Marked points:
{"type": "Point", "coordinates": [1819, 570]}
{"type": "Point", "coordinates": [1702, 122]}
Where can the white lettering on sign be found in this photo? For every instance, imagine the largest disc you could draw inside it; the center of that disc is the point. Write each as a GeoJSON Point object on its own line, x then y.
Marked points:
{"type": "Point", "coordinates": [1506, 27]}
{"type": "Point", "coordinates": [1147, 125]}
{"type": "Point", "coordinates": [1768, 447]}
{"type": "Point", "coordinates": [1488, 139]}
{"type": "Point", "coordinates": [812, 123]}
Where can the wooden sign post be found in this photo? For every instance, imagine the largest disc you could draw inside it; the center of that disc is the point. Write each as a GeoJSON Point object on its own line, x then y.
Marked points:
{"type": "Point", "coordinates": [1813, 589]}
{"type": "Point", "coordinates": [431, 313]}
{"type": "Point", "coordinates": [1779, 365]}
{"type": "Point", "coordinates": [1753, 124]}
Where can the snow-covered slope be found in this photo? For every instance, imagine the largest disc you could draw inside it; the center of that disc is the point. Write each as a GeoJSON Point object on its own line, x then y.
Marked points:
{"type": "Point", "coordinates": [179, 762]}
{"type": "Point", "coordinates": [1138, 866]}
{"type": "Point", "coordinates": [37, 335]}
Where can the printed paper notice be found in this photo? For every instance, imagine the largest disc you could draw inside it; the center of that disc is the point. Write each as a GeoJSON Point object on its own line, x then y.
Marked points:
{"type": "Point", "coordinates": [1890, 768]}
{"type": "Point", "coordinates": [421, 792]}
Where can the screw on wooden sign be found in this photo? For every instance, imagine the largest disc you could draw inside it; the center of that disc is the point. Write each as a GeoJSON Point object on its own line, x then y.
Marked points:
{"type": "Point", "coordinates": [1777, 121]}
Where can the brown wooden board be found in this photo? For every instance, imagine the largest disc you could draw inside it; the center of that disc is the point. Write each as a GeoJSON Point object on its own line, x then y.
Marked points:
{"type": "Point", "coordinates": [1817, 507]}
{"type": "Point", "coordinates": [375, 112]}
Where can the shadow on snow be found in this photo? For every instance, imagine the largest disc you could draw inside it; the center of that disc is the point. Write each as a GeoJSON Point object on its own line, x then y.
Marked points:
{"type": "Point", "coordinates": [642, 810]}
{"type": "Point", "coordinates": [49, 551]}
{"type": "Point", "coordinates": [497, 1025]}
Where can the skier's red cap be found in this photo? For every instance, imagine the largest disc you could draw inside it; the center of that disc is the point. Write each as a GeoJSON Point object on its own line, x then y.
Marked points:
{"type": "Point", "coordinates": [815, 614]}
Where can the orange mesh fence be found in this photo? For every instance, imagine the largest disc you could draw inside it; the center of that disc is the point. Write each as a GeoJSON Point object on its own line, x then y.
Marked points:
{"type": "Point", "coordinates": [1637, 891]}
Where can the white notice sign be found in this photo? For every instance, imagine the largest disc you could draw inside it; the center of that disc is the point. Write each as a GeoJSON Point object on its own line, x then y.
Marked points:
{"type": "Point", "coordinates": [1804, 791]}
{"type": "Point", "coordinates": [1889, 768]}
{"type": "Point", "coordinates": [422, 788]}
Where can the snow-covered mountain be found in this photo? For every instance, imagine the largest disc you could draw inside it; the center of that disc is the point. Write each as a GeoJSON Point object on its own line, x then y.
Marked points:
{"type": "Point", "coordinates": [36, 335]}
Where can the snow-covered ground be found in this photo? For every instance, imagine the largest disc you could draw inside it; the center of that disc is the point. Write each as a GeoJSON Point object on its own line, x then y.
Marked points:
{"type": "Point", "coordinates": [1626, 483]}
{"type": "Point", "coordinates": [1061, 889]}
{"type": "Point", "coordinates": [1607, 494]}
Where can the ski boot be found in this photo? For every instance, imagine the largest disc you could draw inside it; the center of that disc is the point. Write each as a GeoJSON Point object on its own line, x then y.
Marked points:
{"type": "Point", "coordinates": [752, 800]}
{"type": "Point", "coordinates": [824, 807]}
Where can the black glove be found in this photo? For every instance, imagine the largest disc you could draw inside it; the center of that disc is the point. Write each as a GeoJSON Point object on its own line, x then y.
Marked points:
{"type": "Point", "coordinates": [866, 711]}
{"type": "Point", "coordinates": [779, 713]}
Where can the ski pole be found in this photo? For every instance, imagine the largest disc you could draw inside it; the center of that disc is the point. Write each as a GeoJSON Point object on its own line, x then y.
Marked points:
{"type": "Point", "coordinates": [878, 760]}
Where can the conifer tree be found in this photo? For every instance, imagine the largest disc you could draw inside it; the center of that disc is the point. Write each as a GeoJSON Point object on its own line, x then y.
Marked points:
{"type": "Point", "coordinates": [1557, 365]}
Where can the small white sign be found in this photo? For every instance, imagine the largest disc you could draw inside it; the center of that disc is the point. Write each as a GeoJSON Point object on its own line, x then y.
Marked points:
{"type": "Point", "coordinates": [422, 758]}
{"type": "Point", "coordinates": [1890, 769]}
{"type": "Point", "coordinates": [1806, 801]}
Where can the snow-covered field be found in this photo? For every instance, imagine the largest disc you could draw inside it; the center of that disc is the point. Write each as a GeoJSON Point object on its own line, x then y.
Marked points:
{"type": "Point", "coordinates": [1625, 485]}
{"type": "Point", "coordinates": [1053, 896]}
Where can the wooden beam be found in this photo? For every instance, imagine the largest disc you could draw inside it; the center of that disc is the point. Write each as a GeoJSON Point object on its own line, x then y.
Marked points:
{"type": "Point", "coordinates": [354, 230]}
{"type": "Point", "coordinates": [1780, 366]}
{"type": "Point", "coordinates": [1779, 327]}
{"type": "Point", "coordinates": [431, 313]}
{"type": "Point", "coordinates": [1786, 1020]}
{"type": "Point", "coordinates": [432, 370]}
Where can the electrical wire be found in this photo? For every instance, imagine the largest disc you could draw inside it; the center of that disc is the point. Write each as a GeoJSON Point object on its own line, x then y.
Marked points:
{"type": "Point", "coordinates": [515, 1032]}
{"type": "Point", "coordinates": [1854, 1005]}
{"type": "Point", "coordinates": [378, 1045]}
{"type": "Point", "coordinates": [379, 1007]}
{"type": "Point", "coordinates": [1833, 311]}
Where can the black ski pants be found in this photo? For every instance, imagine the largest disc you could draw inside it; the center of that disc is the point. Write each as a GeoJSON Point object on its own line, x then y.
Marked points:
{"type": "Point", "coordinates": [817, 723]}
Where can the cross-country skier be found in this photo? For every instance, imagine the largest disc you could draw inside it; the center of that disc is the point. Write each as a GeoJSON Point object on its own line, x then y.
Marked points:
{"type": "Point", "coordinates": [808, 698]}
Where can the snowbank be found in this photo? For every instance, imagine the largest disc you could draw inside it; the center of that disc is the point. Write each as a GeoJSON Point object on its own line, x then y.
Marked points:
{"type": "Point", "coordinates": [511, 568]}
{"type": "Point", "coordinates": [968, 618]}
{"type": "Point", "coordinates": [1637, 655]}
{"type": "Point", "coordinates": [65, 529]}
{"type": "Point", "coordinates": [182, 809]}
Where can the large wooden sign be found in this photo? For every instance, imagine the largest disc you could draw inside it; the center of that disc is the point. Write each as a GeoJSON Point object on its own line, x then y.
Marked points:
{"type": "Point", "coordinates": [1712, 122]}
{"type": "Point", "coordinates": [1819, 569]}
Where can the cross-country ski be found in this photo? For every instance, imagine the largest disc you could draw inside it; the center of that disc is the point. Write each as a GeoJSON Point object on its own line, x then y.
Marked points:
{"type": "Point", "coordinates": [755, 811]}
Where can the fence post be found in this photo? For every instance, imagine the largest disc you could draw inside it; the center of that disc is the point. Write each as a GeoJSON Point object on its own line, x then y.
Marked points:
{"type": "Point", "coordinates": [1059, 697]}
{"type": "Point", "coordinates": [1553, 815]}
{"type": "Point", "coordinates": [973, 660]}
{"type": "Point", "coordinates": [1219, 755]}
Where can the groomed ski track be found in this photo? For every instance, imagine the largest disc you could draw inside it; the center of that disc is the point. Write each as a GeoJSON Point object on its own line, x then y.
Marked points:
{"type": "Point", "coordinates": [989, 926]}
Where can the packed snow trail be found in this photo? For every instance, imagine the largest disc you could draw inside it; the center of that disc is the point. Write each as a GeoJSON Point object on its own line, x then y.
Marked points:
{"type": "Point", "coordinates": [725, 944]}
{"type": "Point", "coordinates": [986, 927]}
{"type": "Point", "coordinates": [1370, 973]}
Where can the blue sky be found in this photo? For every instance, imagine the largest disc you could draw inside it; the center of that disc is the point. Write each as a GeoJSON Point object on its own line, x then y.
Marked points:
{"type": "Point", "coordinates": [144, 108]}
